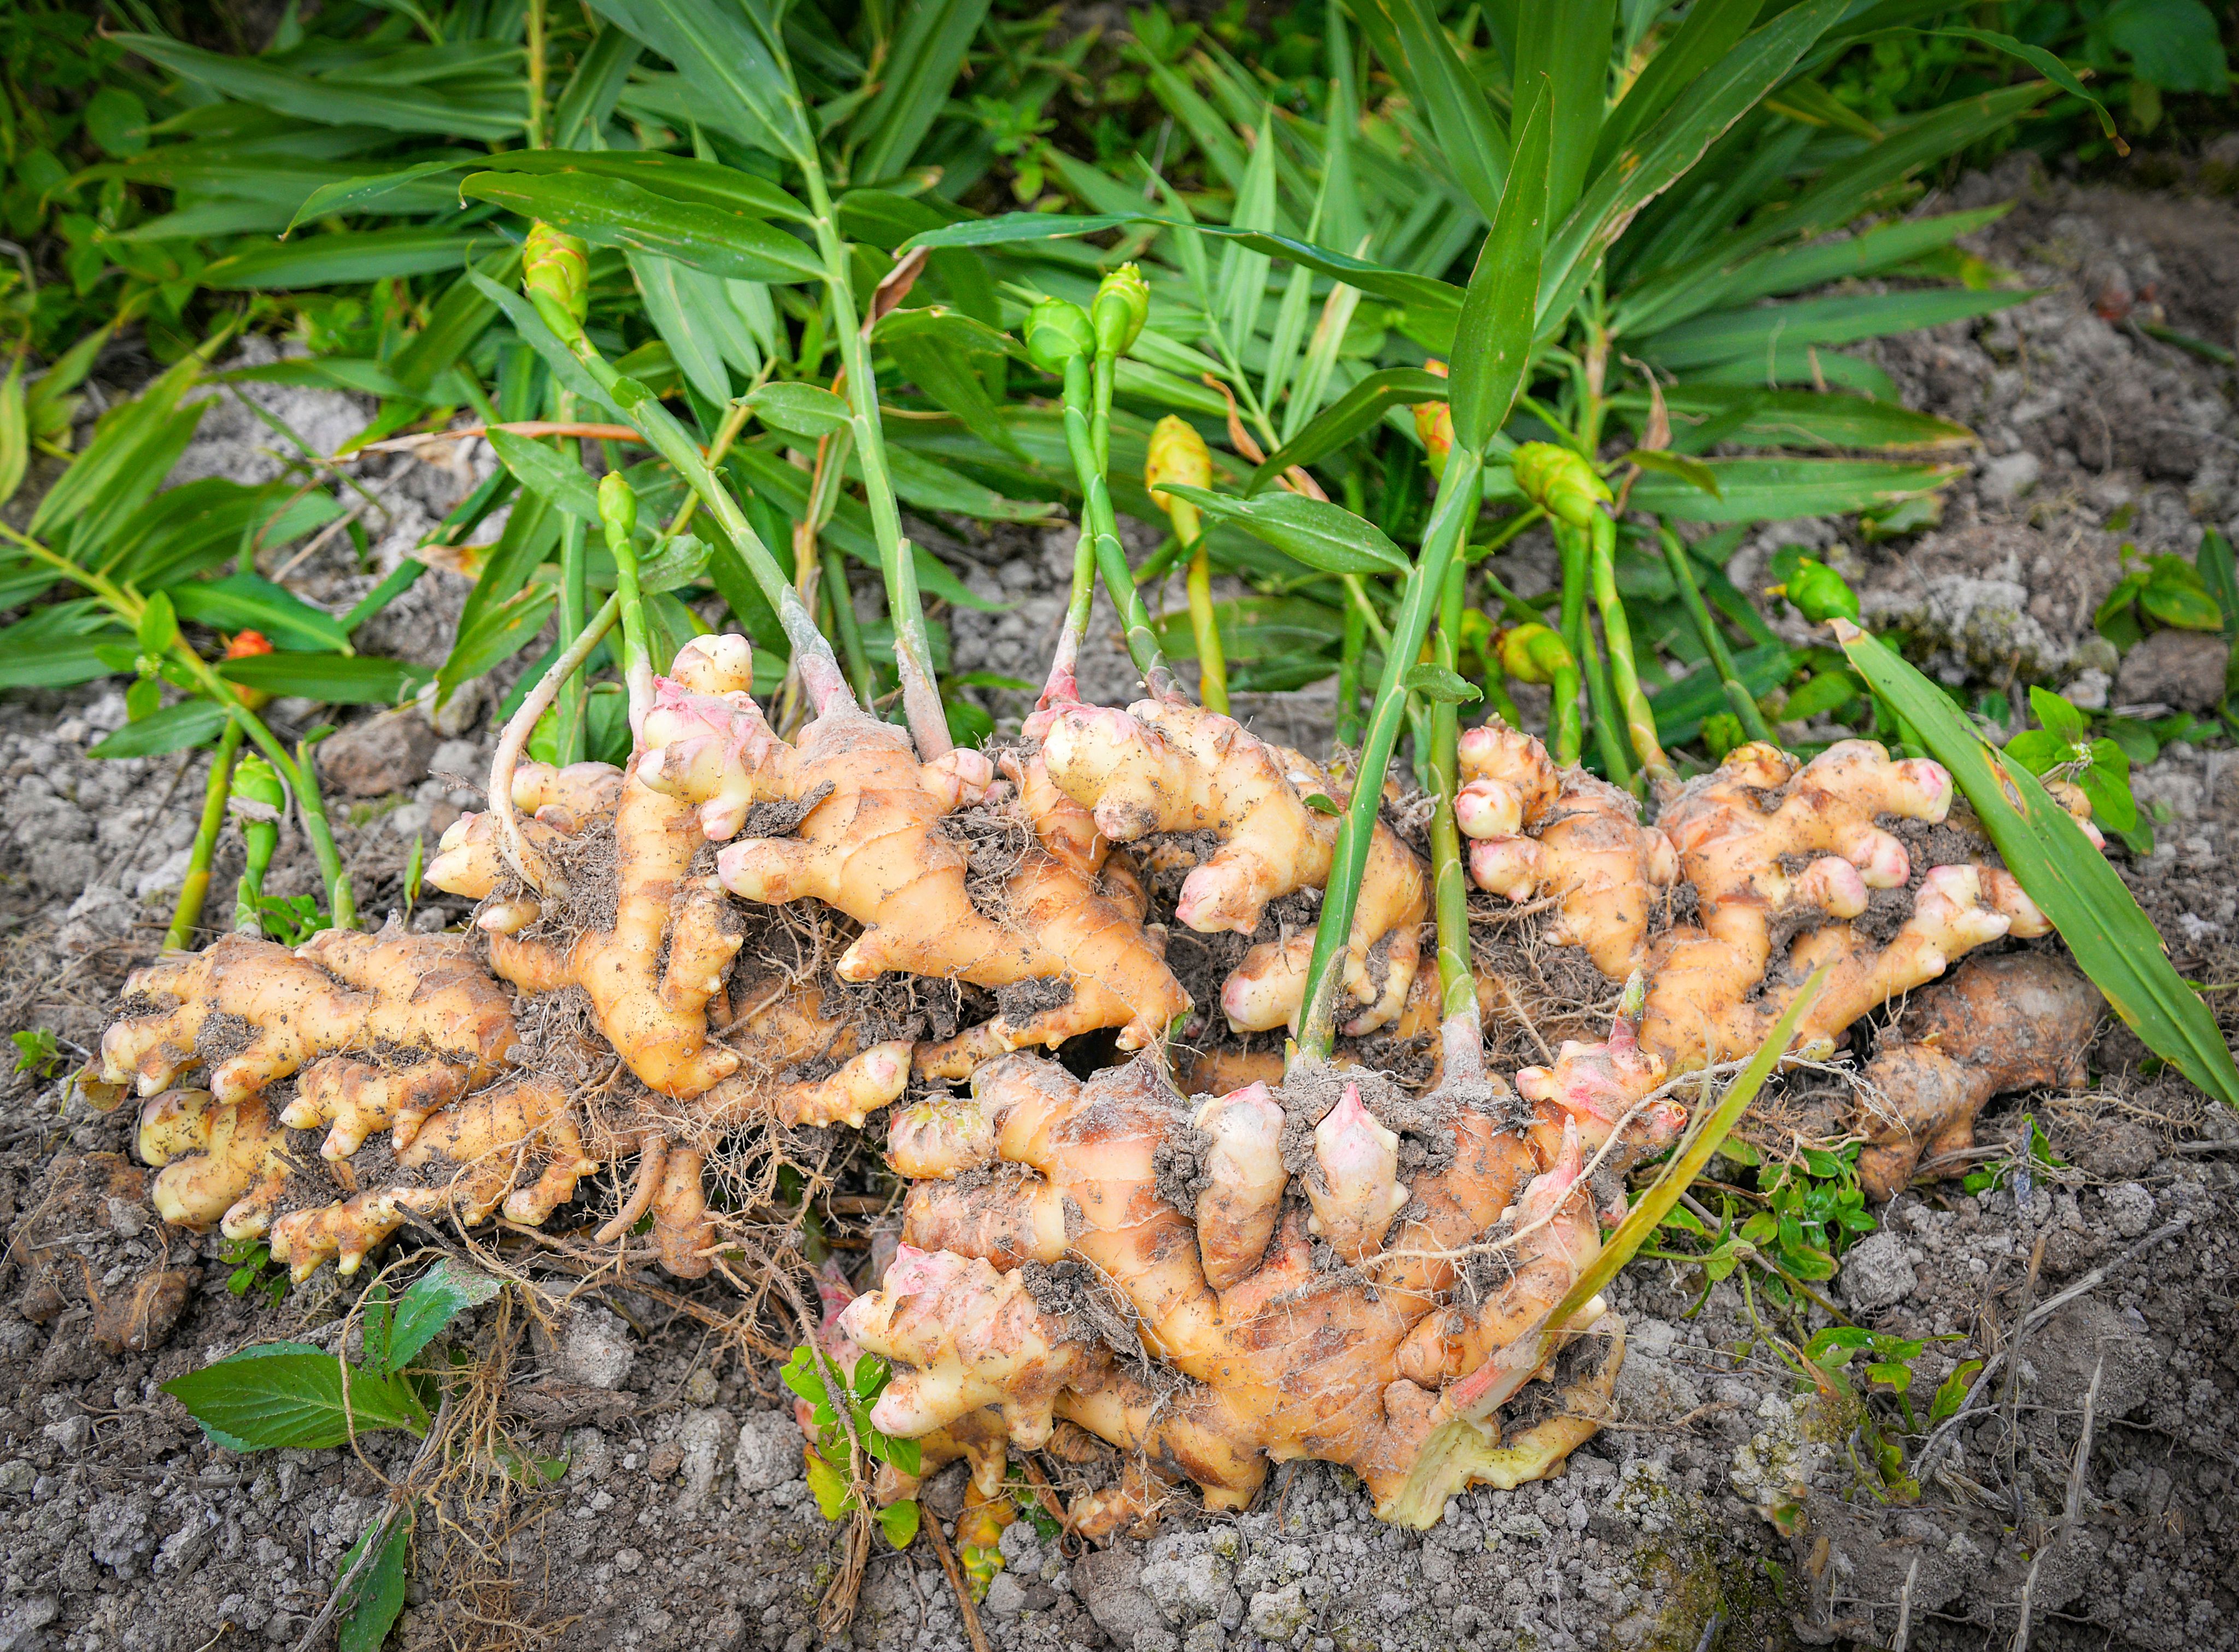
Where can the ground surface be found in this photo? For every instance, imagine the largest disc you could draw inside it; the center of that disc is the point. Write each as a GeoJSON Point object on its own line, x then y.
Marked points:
{"type": "Point", "coordinates": [682, 1520]}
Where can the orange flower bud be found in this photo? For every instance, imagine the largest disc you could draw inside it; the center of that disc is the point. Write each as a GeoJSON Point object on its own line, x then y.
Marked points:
{"type": "Point", "coordinates": [241, 646]}
{"type": "Point", "coordinates": [1434, 423]}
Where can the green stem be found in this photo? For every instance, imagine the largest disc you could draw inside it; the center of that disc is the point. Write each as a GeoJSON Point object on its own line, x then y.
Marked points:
{"type": "Point", "coordinates": [572, 710]}
{"type": "Point", "coordinates": [1107, 368]}
{"type": "Point", "coordinates": [928, 717]}
{"type": "Point", "coordinates": [1640, 722]}
{"type": "Point", "coordinates": [1212, 663]}
{"type": "Point", "coordinates": [342, 903]}
{"type": "Point", "coordinates": [1714, 642]}
{"type": "Point", "coordinates": [1110, 558]}
{"type": "Point", "coordinates": [1457, 985]}
{"type": "Point", "coordinates": [535, 44]}
{"type": "Point", "coordinates": [195, 889]}
{"type": "Point", "coordinates": [1565, 738]}
{"type": "Point", "coordinates": [811, 654]}
{"type": "Point", "coordinates": [259, 839]}
{"type": "Point", "coordinates": [844, 622]}
{"type": "Point", "coordinates": [1350, 652]}
{"type": "Point", "coordinates": [637, 648]}
{"type": "Point", "coordinates": [1577, 578]}
{"type": "Point", "coordinates": [1452, 514]}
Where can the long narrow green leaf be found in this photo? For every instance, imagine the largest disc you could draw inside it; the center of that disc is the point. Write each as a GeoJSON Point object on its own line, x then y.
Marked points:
{"type": "Point", "coordinates": [336, 680]}
{"type": "Point", "coordinates": [332, 102]}
{"type": "Point", "coordinates": [1710, 30]}
{"type": "Point", "coordinates": [1705, 415]}
{"type": "Point", "coordinates": [686, 322]}
{"type": "Point", "coordinates": [249, 601]}
{"type": "Point", "coordinates": [2113, 941]}
{"type": "Point", "coordinates": [1649, 164]}
{"type": "Point", "coordinates": [1323, 536]}
{"type": "Point", "coordinates": [588, 103]}
{"type": "Point", "coordinates": [1378, 280]}
{"type": "Point", "coordinates": [1471, 142]}
{"type": "Point", "coordinates": [1240, 285]}
{"type": "Point", "coordinates": [1360, 408]}
{"type": "Point", "coordinates": [612, 212]}
{"type": "Point", "coordinates": [675, 177]}
{"type": "Point", "coordinates": [548, 472]}
{"type": "Point", "coordinates": [921, 74]}
{"type": "Point", "coordinates": [1492, 340]}
{"type": "Point", "coordinates": [1778, 489]}
{"type": "Point", "coordinates": [539, 337]}
{"type": "Point", "coordinates": [729, 50]}
{"type": "Point", "coordinates": [334, 260]}
{"type": "Point", "coordinates": [133, 449]}
{"type": "Point", "coordinates": [1793, 268]}
{"type": "Point", "coordinates": [1745, 334]}
{"type": "Point", "coordinates": [1834, 199]}
{"type": "Point", "coordinates": [1570, 45]}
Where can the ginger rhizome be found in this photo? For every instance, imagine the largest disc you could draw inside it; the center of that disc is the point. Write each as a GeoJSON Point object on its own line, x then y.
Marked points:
{"type": "Point", "coordinates": [857, 822]}
{"type": "Point", "coordinates": [2021, 1021]}
{"type": "Point", "coordinates": [1291, 1270]}
{"type": "Point", "coordinates": [392, 1033]}
{"type": "Point", "coordinates": [1160, 768]}
{"type": "Point", "coordinates": [1790, 866]}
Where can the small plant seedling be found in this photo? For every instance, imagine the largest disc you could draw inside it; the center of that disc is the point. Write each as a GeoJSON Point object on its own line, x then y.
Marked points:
{"type": "Point", "coordinates": [290, 919]}
{"type": "Point", "coordinates": [2163, 591]}
{"type": "Point", "coordinates": [275, 1394]}
{"type": "Point", "coordinates": [2062, 744]}
{"type": "Point", "coordinates": [1814, 1211]}
{"type": "Point", "coordinates": [250, 1260]}
{"type": "Point", "coordinates": [806, 1374]}
{"type": "Point", "coordinates": [36, 1053]}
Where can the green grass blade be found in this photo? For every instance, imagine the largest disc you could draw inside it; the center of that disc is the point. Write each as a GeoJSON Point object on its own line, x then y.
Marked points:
{"type": "Point", "coordinates": [1360, 408]}
{"type": "Point", "coordinates": [1409, 36]}
{"type": "Point", "coordinates": [920, 75]}
{"type": "Point", "coordinates": [1709, 31]}
{"type": "Point", "coordinates": [1793, 268]}
{"type": "Point", "coordinates": [730, 52]}
{"type": "Point", "coordinates": [2112, 939]}
{"type": "Point", "coordinates": [588, 103]}
{"type": "Point", "coordinates": [1752, 490]}
{"type": "Point", "coordinates": [611, 212]}
{"type": "Point", "coordinates": [1569, 44]}
{"type": "Point", "coordinates": [347, 257]}
{"type": "Point", "coordinates": [1649, 164]}
{"type": "Point", "coordinates": [1742, 334]}
{"type": "Point", "coordinates": [333, 103]}
{"type": "Point", "coordinates": [1492, 340]}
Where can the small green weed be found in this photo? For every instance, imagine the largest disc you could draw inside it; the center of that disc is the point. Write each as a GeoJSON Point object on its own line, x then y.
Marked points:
{"type": "Point", "coordinates": [254, 1270]}
{"type": "Point", "coordinates": [814, 1381]}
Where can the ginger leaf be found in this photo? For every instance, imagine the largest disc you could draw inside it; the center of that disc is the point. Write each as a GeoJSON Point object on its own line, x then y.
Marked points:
{"type": "Point", "coordinates": [2114, 942]}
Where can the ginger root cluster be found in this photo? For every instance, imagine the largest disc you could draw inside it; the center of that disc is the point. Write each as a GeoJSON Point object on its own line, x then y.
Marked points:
{"type": "Point", "coordinates": [1315, 1264]}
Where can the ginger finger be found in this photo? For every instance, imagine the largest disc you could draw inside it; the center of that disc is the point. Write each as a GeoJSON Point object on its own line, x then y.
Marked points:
{"type": "Point", "coordinates": [1158, 767]}
{"type": "Point", "coordinates": [1586, 848]}
{"type": "Point", "coordinates": [222, 1163]}
{"type": "Point", "coordinates": [1282, 1358]}
{"type": "Point", "coordinates": [2016, 1022]}
{"type": "Point", "coordinates": [866, 839]}
{"type": "Point", "coordinates": [421, 993]}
